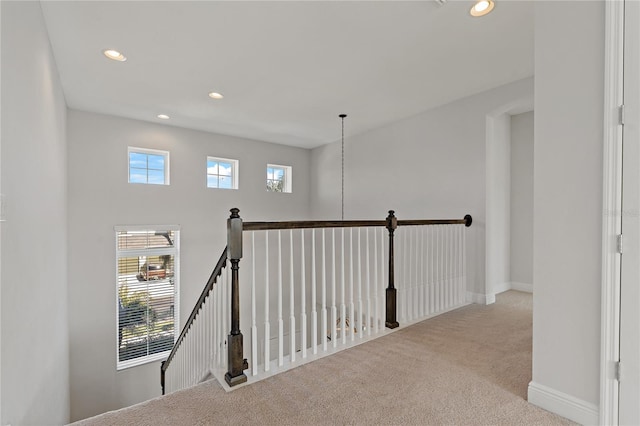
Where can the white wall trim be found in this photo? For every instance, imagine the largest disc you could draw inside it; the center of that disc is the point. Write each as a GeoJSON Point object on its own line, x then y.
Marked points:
{"type": "Point", "coordinates": [562, 404]}
{"type": "Point", "coordinates": [612, 211]}
{"type": "Point", "coordinates": [501, 288]}
{"type": "Point", "coordinates": [513, 285]}
{"type": "Point", "coordinates": [481, 299]}
{"type": "Point", "coordinates": [526, 287]}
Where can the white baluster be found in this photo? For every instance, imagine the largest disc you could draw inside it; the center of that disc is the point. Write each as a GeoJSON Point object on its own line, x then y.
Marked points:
{"type": "Point", "coordinates": [334, 309]}
{"type": "Point", "coordinates": [227, 304]}
{"type": "Point", "coordinates": [405, 259]}
{"type": "Point", "coordinates": [440, 270]}
{"type": "Point", "coordinates": [218, 313]}
{"type": "Point", "coordinates": [422, 280]}
{"type": "Point", "coordinates": [212, 327]}
{"type": "Point", "coordinates": [198, 351]}
{"type": "Point", "coordinates": [203, 340]}
{"type": "Point", "coordinates": [254, 326]}
{"type": "Point", "coordinates": [314, 313]}
{"type": "Point", "coordinates": [457, 263]}
{"type": "Point", "coordinates": [188, 353]}
{"type": "Point", "coordinates": [463, 295]}
{"type": "Point", "coordinates": [415, 300]}
{"type": "Point", "coordinates": [361, 321]}
{"type": "Point", "coordinates": [292, 303]}
{"type": "Point", "coordinates": [429, 269]}
{"type": "Point", "coordinates": [219, 310]}
{"type": "Point", "coordinates": [368, 323]}
{"type": "Point", "coordinates": [434, 270]}
{"type": "Point", "coordinates": [303, 298]}
{"type": "Point", "coordinates": [452, 268]}
{"type": "Point", "coordinates": [194, 354]}
{"type": "Point", "coordinates": [200, 346]}
{"type": "Point", "coordinates": [376, 311]}
{"type": "Point", "coordinates": [343, 306]}
{"type": "Point", "coordinates": [325, 328]}
{"type": "Point", "coordinates": [408, 245]}
{"type": "Point", "coordinates": [267, 324]}
{"type": "Point", "coordinates": [436, 289]}
{"type": "Point", "coordinates": [445, 259]}
{"type": "Point", "coordinates": [352, 318]}
{"type": "Point", "coordinates": [384, 281]}
{"type": "Point", "coordinates": [400, 277]}
{"type": "Point", "coordinates": [280, 321]}
{"type": "Point", "coordinates": [438, 253]}
{"type": "Point", "coordinates": [417, 288]}
{"type": "Point", "coordinates": [443, 251]}
{"type": "Point", "coordinates": [464, 262]}
{"type": "Point", "coordinates": [206, 333]}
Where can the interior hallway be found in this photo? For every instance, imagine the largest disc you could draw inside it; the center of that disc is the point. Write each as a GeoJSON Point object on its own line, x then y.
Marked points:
{"type": "Point", "coordinates": [470, 366]}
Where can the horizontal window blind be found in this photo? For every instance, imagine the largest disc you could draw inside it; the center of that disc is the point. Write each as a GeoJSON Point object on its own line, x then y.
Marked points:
{"type": "Point", "coordinates": [147, 294]}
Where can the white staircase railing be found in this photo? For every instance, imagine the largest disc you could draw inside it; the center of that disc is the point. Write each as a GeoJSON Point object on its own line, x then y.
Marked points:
{"type": "Point", "coordinates": [311, 291]}
{"type": "Point", "coordinates": [202, 345]}
{"type": "Point", "coordinates": [431, 270]}
{"type": "Point", "coordinates": [315, 288]}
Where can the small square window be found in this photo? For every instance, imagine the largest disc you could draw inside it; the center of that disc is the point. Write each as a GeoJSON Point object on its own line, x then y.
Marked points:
{"type": "Point", "coordinates": [222, 173]}
{"type": "Point", "coordinates": [148, 166]}
{"type": "Point", "coordinates": [278, 178]}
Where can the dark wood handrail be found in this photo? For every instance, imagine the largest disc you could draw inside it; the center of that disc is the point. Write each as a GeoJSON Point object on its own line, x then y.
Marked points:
{"type": "Point", "coordinates": [466, 222]}
{"type": "Point", "coordinates": [308, 224]}
{"type": "Point", "coordinates": [194, 313]}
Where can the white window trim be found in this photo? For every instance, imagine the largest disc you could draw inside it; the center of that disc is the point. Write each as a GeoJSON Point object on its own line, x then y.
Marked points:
{"type": "Point", "coordinates": [288, 177]}
{"type": "Point", "coordinates": [165, 154]}
{"type": "Point", "coordinates": [135, 252]}
{"type": "Point", "coordinates": [235, 165]}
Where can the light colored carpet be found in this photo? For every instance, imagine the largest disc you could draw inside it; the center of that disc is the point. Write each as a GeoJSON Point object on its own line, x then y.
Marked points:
{"type": "Point", "coordinates": [470, 366]}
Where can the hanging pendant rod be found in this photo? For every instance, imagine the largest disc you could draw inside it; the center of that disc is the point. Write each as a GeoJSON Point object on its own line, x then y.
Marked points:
{"type": "Point", "coordinates": [342, 116]}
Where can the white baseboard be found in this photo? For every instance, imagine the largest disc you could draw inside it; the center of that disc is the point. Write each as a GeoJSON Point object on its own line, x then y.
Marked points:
{"type": "Point", "coordinates": [527, 288]}
{"type": "Point", "coordinates": [481, 299]}
{"type": "Point", "coordinates": [562, 404]}
{"type": "Point", "coordinates": [501, 288]}
{"type": "Point", "coordinates": [513, 285]}
{"type": "Point", "coordinates": [488, 299]}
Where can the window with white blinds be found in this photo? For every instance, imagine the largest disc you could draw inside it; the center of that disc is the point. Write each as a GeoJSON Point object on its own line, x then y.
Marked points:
{"type": "Point", "coordinates": [147, 289]}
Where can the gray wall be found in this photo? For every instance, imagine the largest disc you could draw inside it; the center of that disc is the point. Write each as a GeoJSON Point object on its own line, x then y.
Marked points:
{"type": "Point", "coordinates": [100, 198]}
{"type": "Point", "coordinates": [522, 198]}
{"type": "Point", "coordinates": [498, 196]}
{"type": "Point", "coordinates": [428, 166]}
{"type": "Point", "coordinates": [568, 196]}
{"type": "Point", "coordinates": [35, 351]}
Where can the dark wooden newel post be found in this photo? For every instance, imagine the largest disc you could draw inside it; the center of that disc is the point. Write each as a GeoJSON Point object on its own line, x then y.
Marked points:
{"type": "Point", "coordinates": [390, 321]}
{"type": "Point", "coordinates": [237, 364]}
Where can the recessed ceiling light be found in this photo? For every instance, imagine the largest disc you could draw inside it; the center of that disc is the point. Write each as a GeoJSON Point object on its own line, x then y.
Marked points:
{"type": "Point", "coordinates": [215, 95]}
{"type": "Point", "coordinates": [114, 55]}
{"type": "Point", "coordinates": [482, 7]}
{"type": "Point", "coordinates": [163, 116]}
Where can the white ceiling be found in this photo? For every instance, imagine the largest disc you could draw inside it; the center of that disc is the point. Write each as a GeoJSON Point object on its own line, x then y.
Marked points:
{"type": "Point", "coordinates": [286, 69]}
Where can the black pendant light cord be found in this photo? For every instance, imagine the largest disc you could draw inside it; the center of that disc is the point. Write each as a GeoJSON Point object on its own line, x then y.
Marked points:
{"type": "Point", "coordinates": [342, 116]}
